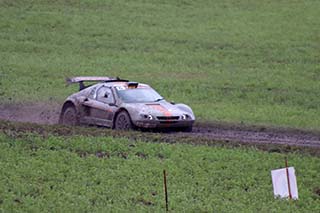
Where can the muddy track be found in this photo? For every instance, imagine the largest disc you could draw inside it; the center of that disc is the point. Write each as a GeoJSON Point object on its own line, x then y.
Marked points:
{"type": "Point", "coordinates": [47, 113]}
{"type": "Point", "coordinates": [284, 137]}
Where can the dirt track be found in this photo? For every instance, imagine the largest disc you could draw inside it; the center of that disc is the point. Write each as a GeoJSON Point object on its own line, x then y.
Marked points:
{"type": "Point", "coordinates": [40, 113]}
{"type": "Point", "coordinates": [266, 136]}
{"type": "Point", "coordinates": [48, 113]}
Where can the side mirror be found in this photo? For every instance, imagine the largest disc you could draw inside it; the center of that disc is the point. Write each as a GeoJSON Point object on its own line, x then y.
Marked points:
{"type": "Point", "coordinates": [172, 102]}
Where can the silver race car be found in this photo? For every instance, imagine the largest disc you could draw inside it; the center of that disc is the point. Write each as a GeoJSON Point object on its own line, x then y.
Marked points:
{"type": "Point", "coordinates": [121, 104]}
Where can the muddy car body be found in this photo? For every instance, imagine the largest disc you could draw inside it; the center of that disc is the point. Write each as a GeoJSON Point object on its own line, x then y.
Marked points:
{"type": "Point", "coordinates": [121, 104]}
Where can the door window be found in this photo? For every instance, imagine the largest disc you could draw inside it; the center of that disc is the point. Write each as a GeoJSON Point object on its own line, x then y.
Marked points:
{"type": "Point", "coordinates": [104, 94]}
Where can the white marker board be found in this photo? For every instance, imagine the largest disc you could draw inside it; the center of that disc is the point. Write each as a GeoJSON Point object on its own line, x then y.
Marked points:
{"type": "Point", "coordinates": [280, 183]}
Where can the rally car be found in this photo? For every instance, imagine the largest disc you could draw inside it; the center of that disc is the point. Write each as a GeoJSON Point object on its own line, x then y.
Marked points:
{"type": "Point", "coordinates": [122, 104]}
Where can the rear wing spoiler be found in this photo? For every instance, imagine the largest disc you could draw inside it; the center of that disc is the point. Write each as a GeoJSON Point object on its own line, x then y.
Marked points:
{"type": "Point", "coordinates": [87, 78]}
{"type": "Point", "coordinates": [81, 79]}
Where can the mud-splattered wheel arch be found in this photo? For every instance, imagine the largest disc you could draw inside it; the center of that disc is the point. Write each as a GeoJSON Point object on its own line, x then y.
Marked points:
{"type": "Point", "coordinates": [69, 116]}
{"type": "Point", "coordinates": [123, 121]}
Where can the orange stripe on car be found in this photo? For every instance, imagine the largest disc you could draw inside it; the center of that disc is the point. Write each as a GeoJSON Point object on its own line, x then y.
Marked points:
{"type": "Point", "coordinates": [161, 109]}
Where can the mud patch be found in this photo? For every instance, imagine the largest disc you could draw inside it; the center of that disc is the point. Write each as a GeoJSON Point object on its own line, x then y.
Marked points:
{"type": "Point", "coordinates": [293, 143]}
{"type": "Point", "coordinates": [123, 155]}
{"type": "Point", "coordinates": [40, 113]}
{"type": "Point", "coordinates": [141, 155]}
{"type": "Point", "coordinates": [160, 156]}
{"type": "Point", "coordinates": [102, 154]}
{"type": "Point", "coordinates": [98, 154]}
{"type": "Point", "coordinates": [143, 201]}
{"type": "Point", "coordinates": [317, 191]}
{"type": "Point", "coordinates": [82, 154]}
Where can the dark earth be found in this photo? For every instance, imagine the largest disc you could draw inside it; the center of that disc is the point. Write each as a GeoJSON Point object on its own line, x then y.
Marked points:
{"type": "Point", "coordinates": [48, 113]}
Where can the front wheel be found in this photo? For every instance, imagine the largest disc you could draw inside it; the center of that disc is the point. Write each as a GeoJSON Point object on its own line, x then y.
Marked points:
{"type": "Point", "coordinates": [123, 121]}
{"type": "Point", "coordinates": [69, 116]}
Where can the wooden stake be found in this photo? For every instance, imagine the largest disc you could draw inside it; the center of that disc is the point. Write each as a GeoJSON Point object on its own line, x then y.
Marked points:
{"type": "Point", "coordinates": [165, 189]}
{"type": "Point", "coordinates": [288, 179]}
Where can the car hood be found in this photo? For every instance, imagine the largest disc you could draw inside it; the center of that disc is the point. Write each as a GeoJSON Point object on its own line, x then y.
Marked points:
{"type": "Point", "coordinates": [162, 108]}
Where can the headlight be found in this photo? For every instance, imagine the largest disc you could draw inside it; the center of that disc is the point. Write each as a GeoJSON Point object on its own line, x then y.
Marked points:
{"type": "Point", "coordinates": [184, 117]}
{"type": "Point", "coordinates": [148, 117]}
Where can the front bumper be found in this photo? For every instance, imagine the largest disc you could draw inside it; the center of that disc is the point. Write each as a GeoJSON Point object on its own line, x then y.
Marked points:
{"type": "Point", "coordinates": [155, 124]}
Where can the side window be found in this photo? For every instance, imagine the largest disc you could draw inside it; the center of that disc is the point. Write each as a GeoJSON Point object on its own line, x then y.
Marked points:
{"type": "Point", "coordinates": [104, 95]}
{"type": "Point", "coordinates": [92, 92]}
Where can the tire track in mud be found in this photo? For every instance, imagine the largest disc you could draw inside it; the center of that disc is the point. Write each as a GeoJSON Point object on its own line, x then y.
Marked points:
{"type": "Point", "coordinates": [48, 113]}
{"type": "Point", "coordinates": [284, 137]}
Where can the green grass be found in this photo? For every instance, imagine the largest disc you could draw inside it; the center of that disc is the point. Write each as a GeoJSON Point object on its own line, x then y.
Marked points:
{"type": "Point", "coordinates": [89, 174]}
{"type": "Point", "coordinates": [235, 61]}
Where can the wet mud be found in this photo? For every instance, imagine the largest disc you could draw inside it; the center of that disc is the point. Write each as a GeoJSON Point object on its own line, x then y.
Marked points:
{"type": "Point", "coordinates": [39, 113]}
{"type": "Point", "coordinates": [48, 114]}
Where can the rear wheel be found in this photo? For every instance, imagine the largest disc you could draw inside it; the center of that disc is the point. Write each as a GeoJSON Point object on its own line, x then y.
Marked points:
{"type": "Point", "coordinates": [123, 121]}
{"type": "Point", "coordinates": [70, 117]}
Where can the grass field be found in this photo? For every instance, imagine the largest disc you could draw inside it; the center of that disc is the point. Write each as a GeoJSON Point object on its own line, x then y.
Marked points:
{"type": "Point", "coordinates": [253, 62]}
{"type": "Point", "coordinates": [235, 61]}
{"type": "Point", "coordinates": [86, 174]}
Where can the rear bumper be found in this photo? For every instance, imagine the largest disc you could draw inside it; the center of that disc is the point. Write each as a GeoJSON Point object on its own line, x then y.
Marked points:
{"type": "Point", "coordinates": [155, 124]}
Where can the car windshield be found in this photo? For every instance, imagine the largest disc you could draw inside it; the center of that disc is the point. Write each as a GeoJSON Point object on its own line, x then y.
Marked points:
{"type": "Point", "coordinates": [139, 95]}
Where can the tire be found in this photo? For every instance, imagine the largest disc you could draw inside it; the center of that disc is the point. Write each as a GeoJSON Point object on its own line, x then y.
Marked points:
{"type": "Point", "coordinates": [123, 121]}
{"type": "Point", "coordinates": [69, 116]}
